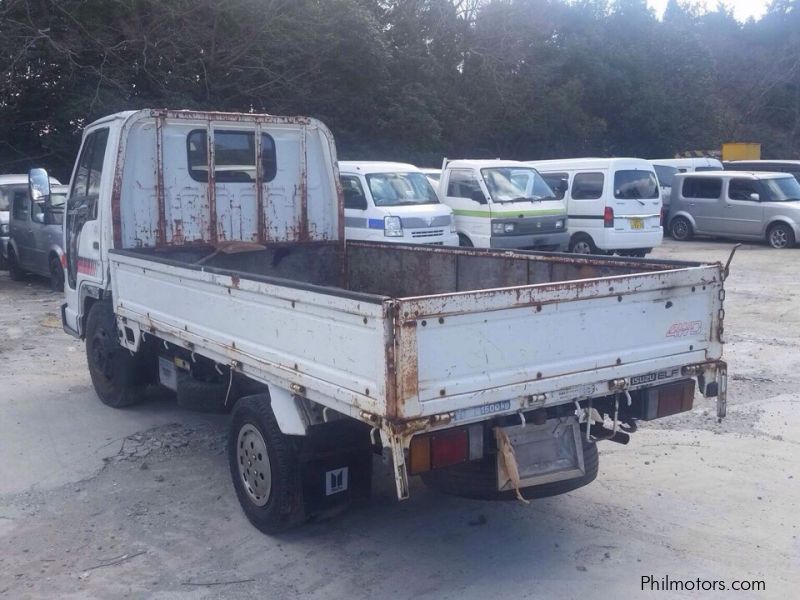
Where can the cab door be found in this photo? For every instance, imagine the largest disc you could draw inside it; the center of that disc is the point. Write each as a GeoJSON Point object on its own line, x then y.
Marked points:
{"type": "Point", "coordinates": [20, 227]}
{"type": "Point", "coordinates": [742, 213]}
{"type": "Point", "coordinates": [82, 232]}
{"type": "Point", "coordinates": [471, 211]}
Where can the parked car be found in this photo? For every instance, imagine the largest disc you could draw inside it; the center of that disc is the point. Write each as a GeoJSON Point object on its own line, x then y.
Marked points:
{"type": "Point", "coordinates": [434, 176]}
{"type": "Point", "coordinates": [35, 244]}
{"type": "Point", "coordinates": [737, 204]}
{"type": "Point", "coordinates": [503, 204]}
{"type": "Point", "coordinates": [445, 360]}
{"type": "Point", "coordinates": [393, 202]}
{"type": "Point", "coordinates": [779, 166]}
{"type": "Point", "coordinates": [11, 187]}
{"type": "Point", "coordinates": [613, 204]}
{"type": "Point", "coordinates": [690, 165]}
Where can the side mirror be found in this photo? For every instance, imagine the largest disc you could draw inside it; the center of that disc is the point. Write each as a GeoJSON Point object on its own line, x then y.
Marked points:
{"type": "Point", "coordinates": [477, 196]}
{"type": "Point", "coordinates": [755, 197]}
{"type": "Point", "coordinates": [39, 186]}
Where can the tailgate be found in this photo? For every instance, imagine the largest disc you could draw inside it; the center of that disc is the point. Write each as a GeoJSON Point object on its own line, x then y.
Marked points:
{"type": "Point", "coordinates": [480, 349]}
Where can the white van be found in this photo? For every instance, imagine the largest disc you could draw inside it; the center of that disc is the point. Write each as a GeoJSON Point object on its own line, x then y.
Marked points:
{"type": "Point", "coordinates": [614, 204]}
{"type": "Point", "coordinates": [690, 165]}
{"type": "Point", "coordinates": [503, 204]}
{"type": "Point", "coordinates": [393, 202]}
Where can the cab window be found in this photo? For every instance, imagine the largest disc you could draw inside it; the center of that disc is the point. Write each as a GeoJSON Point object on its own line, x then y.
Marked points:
{"type": "Point", "coordinates": [701, 187]}
{"type": "Point", "coordinates": [463, 184]}
{"type": "Point", "coordinates": [353, 192]}
{"type": "Point", "coordinates": [20, 202]}
{"type": "Point", "coordinates": [558, 182]}
{"type": "Point", "coordinates": [234, 156]}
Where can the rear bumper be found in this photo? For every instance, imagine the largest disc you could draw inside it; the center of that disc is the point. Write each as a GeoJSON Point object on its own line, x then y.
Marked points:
{"type": "Point", "coordinates": [538, 240]}
{"type": "Point", "coordinates": [628, 240]}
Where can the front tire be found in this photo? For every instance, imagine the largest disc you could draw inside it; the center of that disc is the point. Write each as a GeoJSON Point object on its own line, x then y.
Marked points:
{"type": "Point", "coordinates": [56, 275]}
{"type": "Point", "coordinates": [264, 467]}
{"type": "Point", "coordinates": [14, 270]}
{"type": "Point", "coordinates": [464, 241]}
{"type": "Point", "coordinates": [118, 378]}
{"type": "Point", "coordinates": [681, 229]}
{"type": "Point", "coordinates": [583, 244]}
{"type": "Point", "coordinates": [780, 236]}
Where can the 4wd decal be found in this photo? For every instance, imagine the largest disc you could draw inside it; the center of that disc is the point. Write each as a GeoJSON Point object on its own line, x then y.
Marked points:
{"type": "Point", "coordinates": [684, 328]}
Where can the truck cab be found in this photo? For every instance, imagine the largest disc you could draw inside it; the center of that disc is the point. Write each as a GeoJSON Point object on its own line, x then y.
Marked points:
{"type": "Point", "coordinates": [393, 202]}
{"type": "Point", "coordinates": [503, 204]}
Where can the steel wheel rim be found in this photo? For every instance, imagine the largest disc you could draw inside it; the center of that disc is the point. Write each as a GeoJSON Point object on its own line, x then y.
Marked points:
{"type": "Point", "coordinates": [582, 247]}
{"type": "Point", "coordinates": [253, 462]}
{"type": "Point", "coordinates": [679, 229]}
{"type": "Point", "coordinates": [779, 238]}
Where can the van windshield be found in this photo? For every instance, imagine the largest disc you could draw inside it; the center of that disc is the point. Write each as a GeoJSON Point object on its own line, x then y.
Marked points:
{"type": "Point", "coordinates": [401, 189]}
{"type": "Point", "coordinates": [515, 184]}
{"type": "Point", "coordinates": [665, 174]}
{"type": "Point", "coordinates": [635, 185]}
{"type": "Point", "coordinates": [782, 189]}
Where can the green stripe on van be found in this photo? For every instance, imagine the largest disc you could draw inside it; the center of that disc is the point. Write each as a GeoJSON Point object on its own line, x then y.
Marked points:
{"type": "Point", "coordinates": [508, 214]}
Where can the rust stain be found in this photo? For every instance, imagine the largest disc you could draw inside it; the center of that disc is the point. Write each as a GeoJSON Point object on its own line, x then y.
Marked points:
{"type": "Point", "coordinates": [235, 280]}
{"type": "Point", "coordinates": [161, 233]}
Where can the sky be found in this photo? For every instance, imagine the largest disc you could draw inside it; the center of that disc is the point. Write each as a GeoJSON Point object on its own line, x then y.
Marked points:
{"type": "Point", "coordinates": [742, 9]}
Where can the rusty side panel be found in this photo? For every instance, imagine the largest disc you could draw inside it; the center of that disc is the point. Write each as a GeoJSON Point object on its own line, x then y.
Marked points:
{"type": "Point", "coordinates": [116, 195]}
{"type": "Point", "coordinates": [231, 117]}
{"type": "Point", "coordinates": [261, 226]}
{"type": "Point", "coordinates": [161, 232]}
{"type": "Point", "coordinates": [303, 226]}
{"type": "Point", "coordinates": [212, 186]}
{"type": "Point", "coordinates": [390, 312]}
{"type": "Point", "coordinates": [406, 363]}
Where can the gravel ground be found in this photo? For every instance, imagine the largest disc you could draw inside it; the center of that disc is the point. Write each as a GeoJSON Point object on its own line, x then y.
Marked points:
{"type": "Point", "coordinates": [138, 503]}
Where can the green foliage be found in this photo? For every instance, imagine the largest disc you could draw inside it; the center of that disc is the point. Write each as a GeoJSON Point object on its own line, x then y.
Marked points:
{"type": "Point", "coordinates": [408, 79]}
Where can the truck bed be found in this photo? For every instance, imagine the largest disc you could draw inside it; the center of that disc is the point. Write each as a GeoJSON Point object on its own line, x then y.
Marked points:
{"type": "Point", "coordinates": [402, 332]}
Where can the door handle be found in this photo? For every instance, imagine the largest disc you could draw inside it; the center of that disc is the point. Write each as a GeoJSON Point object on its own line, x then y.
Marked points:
{"type": "Point", "coordinates": [96, 245]}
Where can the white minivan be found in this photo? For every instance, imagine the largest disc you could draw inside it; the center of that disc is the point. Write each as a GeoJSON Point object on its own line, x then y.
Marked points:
{"type": "Point", "coordinates": [690, 165]}
{"type": "Point", "coordinates": [503, 204]}
{"type": "Point", "coordinates": [613, 204]}
{"type": "Point", "coordinates": [393, 202]}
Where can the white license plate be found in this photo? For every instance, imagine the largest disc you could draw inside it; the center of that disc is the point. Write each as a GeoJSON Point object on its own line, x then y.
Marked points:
{"type": "Point", "coordinates": [474, 412]}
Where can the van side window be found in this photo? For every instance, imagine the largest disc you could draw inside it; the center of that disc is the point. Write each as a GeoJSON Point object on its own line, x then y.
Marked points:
{"type": "Point", "coordinates": [740, 189]}
{"type": "Point", "coordinates": [353, 193]}
{"type": "Point", "coordinates": [587, 186]}
{"type": "Point", "coordinates": [462, 184]}
{"type": "Point", "coordinates": [558, 182]}
{"type": "Point", "coordinates": [20, 201]}
{"type": "Point", "coordinates": [702, 187]}
{"type": "Point", "coordinates": [234, 156]}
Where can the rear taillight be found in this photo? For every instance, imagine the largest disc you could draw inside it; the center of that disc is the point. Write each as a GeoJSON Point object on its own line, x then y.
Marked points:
{"type": "Point", "coordinates": [608, 217]}
{"type": "Point", "coordinates": [445, 448]}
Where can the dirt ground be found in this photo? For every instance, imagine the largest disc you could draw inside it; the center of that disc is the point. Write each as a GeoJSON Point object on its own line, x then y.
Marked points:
{"type": "Point", "coordinates": [138, 503]}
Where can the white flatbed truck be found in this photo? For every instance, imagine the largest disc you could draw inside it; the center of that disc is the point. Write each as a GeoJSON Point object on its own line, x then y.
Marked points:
{"type": "Point", "coordinates": [205, 251]}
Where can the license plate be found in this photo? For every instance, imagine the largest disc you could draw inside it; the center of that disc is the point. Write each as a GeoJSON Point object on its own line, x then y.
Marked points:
{"type": "Point", "coordinates": [637, 223]}
{"type": "Point", "coordinates": [474, 412]}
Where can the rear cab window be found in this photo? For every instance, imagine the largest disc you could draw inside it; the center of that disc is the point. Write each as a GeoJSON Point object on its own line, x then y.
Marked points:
{"type": "Point", "coordinates": [587, 186]}
{"type": "Point", "coordinates": [234, 156]}
{"type": "Point", "coordinates": [635, 185]}
{"type": "Point", "coordinates": [702, 187]}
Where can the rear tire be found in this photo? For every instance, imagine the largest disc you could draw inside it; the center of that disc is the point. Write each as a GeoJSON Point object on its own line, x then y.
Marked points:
{"type": "Point", "coordinates": [119, 379]}
{"type": "Point", "coordinates": [478, 479]}
{"type": "Point", "coordinates": [56, 275]}
{"type": "Point", "coordinates": [681, 229]}
{"type": "Point", "coordinates": [582, 243]}
{"type": "Point", "coordinates": [780, 236]}
{"type": "Point", "coordinates": [14, 270]}
{"type": "Point", "coordinates": [265, 475]}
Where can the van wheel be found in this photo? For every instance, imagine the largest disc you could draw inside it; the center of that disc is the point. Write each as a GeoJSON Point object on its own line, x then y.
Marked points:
{"type": "Point", "coordinates": [464, 241]}
{"type": "Point", "coordinates": [478, 479]}
{"type": "Point", "coordinates": [118, 378]}
{"type": "Point", "coordinates": [681, 229]}
{"type": "Point", "coordinates": [780, 236]}
{"type": "Point", "coordinates": [582, 244]}
{"type": "Point", "coordinates": [14, 270]}
{"type": "Point", "coordinates": [56, 275]}
{"type": "Point", "coordinates": [264, 467]}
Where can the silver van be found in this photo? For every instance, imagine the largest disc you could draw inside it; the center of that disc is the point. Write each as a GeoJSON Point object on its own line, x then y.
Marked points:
{"type": "Point", "coordinates": [737, 204]}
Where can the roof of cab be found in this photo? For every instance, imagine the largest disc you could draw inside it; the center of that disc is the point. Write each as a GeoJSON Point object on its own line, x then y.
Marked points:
{"type": "Point", "coordinates": [593, 163]}
{"type": "Point", "coordinates": [375, 166]}
{"type": "Point", "coordinates": [484, 163]}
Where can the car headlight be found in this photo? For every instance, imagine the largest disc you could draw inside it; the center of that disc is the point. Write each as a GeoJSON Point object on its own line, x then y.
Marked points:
{"type": "Point", "coordinates": [392, 227]}
{"type": "Point", "coordinates": [559, 224]}
{"type": "Point", "coordinates": [501, 228]}
{"type": "Point", "coordinates": [4, 229]}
